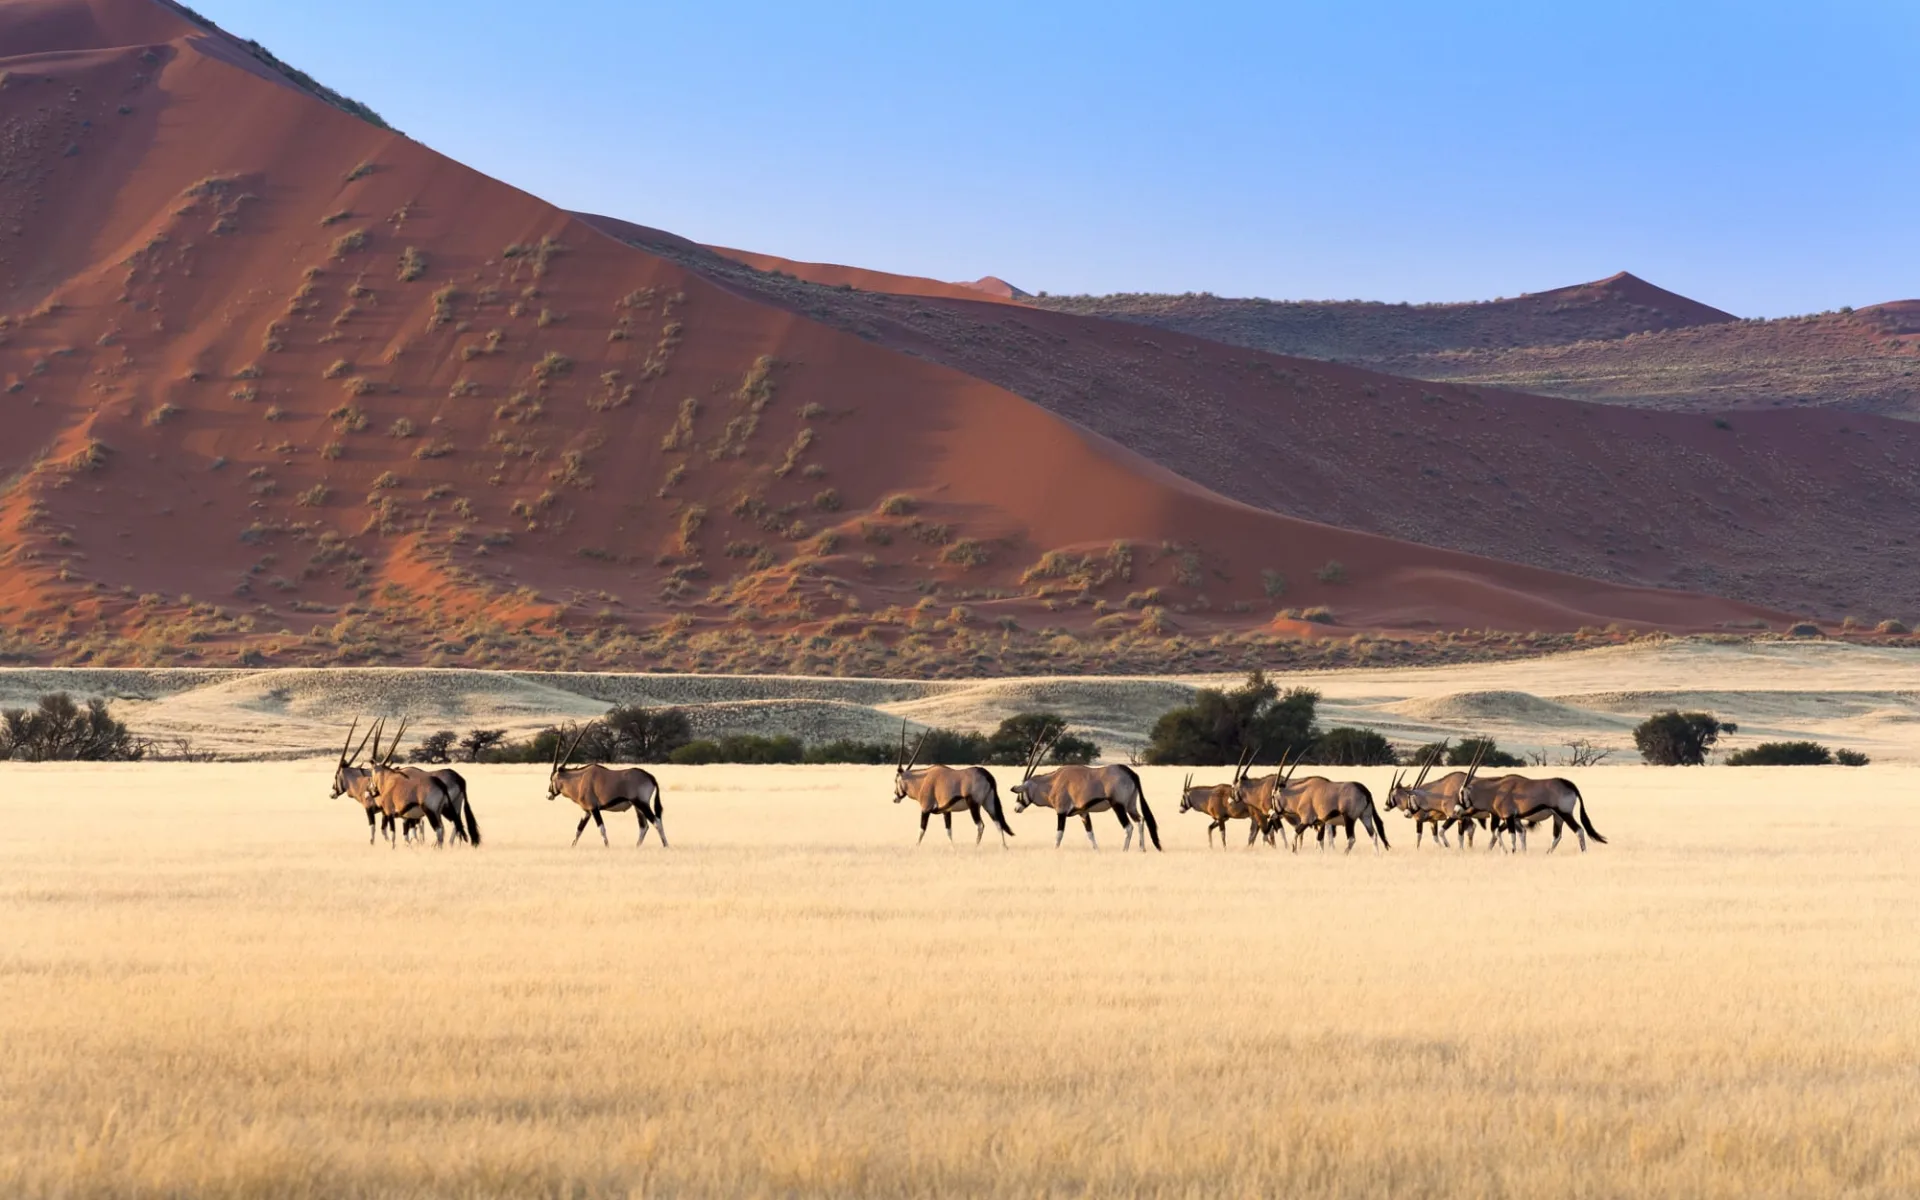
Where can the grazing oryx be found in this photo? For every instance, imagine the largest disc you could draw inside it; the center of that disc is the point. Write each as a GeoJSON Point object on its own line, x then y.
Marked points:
{"type": "Point", "coordinates": [1433, 803]}
{"type": "Point", "coordinates": [349, 780]}
{"type": "Point", "coordinates": [1324, 804]}
{"type": "Point", "coordinates": [947, 790]}
{"type": "Point", "coordinates": [409, 793]}
{"type": "Point", "coordinates": [1083, 791]}
{"type": "Point", "coordinates": [1515, 803]}
{"type": "Point", "coordinates": [597, 789]}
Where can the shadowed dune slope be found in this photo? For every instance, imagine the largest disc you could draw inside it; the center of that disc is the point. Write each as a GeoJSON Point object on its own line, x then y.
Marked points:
{"type": "Point", "coordinates": [1618, 340]}
{"type": "Point", "coordinates": [1372, 332]}
{"type": "Point", "coordinates": [285, 386]}
{"type": "Point", "coordinates": [1805, 511]}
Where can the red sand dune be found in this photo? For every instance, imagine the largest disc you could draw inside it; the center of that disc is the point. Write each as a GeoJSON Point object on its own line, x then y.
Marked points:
{"type": "Point", "coordinates": [264, 354]}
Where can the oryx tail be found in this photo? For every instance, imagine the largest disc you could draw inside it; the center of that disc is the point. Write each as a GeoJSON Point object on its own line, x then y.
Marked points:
{"type": "Point", "coordinates": [473, 826]}
{"type": "Point", "coordinates": [1373, 814]}
{"type": "Point", "coordinates": [1146, 810]}
{"type": "Point", "coordinates": [1584, 822]}
{"type": "Point", "coordinates": [994, 810]}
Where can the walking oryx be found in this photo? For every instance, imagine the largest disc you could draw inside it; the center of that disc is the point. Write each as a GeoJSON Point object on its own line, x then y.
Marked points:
{"type": "Point", "coordinates": [597, 789]}
{"type": "Point", "coordinates": [456, 785]}
{"type": "Point", "coordinates": [947, 790]}
{"type": "Point", "coordinates": [1325, 805]}
{"type": "Point", "coordinates": [410, 793]}
{"type": "Point", "coordinates": [1433, 803]}
{"type": "Point", "coordinates": [1222, 803]}
{"type": "Point", "coordinates": [349, 780]}
{"type": "Point", "coordinates": [1515, 803]}
{"type": "Point", "coordinates": [1083, 791]}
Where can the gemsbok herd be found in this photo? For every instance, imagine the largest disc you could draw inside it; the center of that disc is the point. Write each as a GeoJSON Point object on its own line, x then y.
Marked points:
{"type": "Point", "coordinates": [1506, 806]}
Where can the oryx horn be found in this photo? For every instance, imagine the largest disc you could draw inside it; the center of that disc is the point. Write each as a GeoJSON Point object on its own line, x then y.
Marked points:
{"type": "Point", "coordinates": [393, 747]}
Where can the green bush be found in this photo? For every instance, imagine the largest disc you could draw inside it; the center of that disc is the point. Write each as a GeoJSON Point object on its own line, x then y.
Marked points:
{"type": "Point", "coordinates": [740, 748]}
{"type": "Point", "coordinates": [1217, 727]}
{"type": "Point", "coordinates": [1782, 754]}
{"type": "Point", "coordinates": [1794, 754]}
{"type": "Point", "coordinates": [1466, 749]}
{"type": "Point", "coordinates": [1677, 739]}
{"type": "Point", "coordinates": [847, 750]}
{"type": "Point", "coordinates": [1346, 746]}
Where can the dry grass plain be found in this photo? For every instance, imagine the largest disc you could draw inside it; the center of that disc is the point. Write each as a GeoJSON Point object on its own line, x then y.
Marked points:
{"type": "Point", "coordinates": [213, 987]}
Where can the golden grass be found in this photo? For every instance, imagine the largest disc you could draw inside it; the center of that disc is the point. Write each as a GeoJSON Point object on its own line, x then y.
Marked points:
{"type": "Point", "coordinates": [211, 986]}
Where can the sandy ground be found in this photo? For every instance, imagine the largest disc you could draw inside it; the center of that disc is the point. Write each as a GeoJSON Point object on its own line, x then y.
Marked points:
{"type": "Point", "coordinates": [214, 987]}
{"type": "Point", "coordinates": [1865, 698]}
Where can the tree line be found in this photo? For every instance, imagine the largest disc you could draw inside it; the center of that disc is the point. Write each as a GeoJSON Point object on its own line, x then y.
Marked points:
{"type": "Point", "coordinates": [1255, 722]}
{"type": "Point", "coordinates": [636, 734]}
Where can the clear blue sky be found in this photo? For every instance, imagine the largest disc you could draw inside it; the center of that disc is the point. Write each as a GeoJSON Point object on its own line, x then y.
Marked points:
{"type": "Point", "coordinates": [1763, 157]}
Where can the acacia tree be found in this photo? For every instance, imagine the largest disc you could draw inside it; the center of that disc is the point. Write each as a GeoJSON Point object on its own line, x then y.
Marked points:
{"type": "Point", "coordinates": [434, 748]}
{"type": "Point", "coordinates": [641, 734]}
{"type": "Point", "coordinates": [479, 743]}
{"type": "Point", "coordinates": [58, 730]}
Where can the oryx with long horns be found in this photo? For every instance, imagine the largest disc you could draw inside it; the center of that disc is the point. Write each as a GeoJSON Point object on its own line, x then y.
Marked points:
{"type": "Point", "coordinates": [601, 789]}
{"type": "Point", "coordinates": [1324, 804]}
{"type": "Point", "coordinates": [947, 790]}
{"type": "Point", "coordinates": [355, 781]}
{"type": "Point", "coordinates": [1221, 803]}
{"type": "Point", "coordinates": [1515, 803]}
{"type": "Point", "coordinates": [1434, 803]}
{"type": "Point", "coordinates": [412, 793]}
{"type": "Point", "coordinates": [1075, 791]}
{"type": "Point", "coordinates": [1262, 797]}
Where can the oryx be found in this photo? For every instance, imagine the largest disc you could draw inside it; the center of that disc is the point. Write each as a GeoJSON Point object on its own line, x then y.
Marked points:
{"type": "Point", "coordinates": [1431, 803]}
{"type": "Point", "coordinates": [1221, 802]}
{"type": "Point", "coordinates": [1515, 803]}
{"type": "Point", "coordinates": [411, 793]}
{"type": "Point", "coordinates": [600, 789]}
{"type": "Point", "coordinates": [349, 780]}
{"type": "Point", "coordinates": [947, 790]}
{"type": "Point", "coordinates": [1083, 791]}
{"type": "Point", "coordinates": [1262, 796]}
{"type": "Point", "coordinates": [1324, 804]}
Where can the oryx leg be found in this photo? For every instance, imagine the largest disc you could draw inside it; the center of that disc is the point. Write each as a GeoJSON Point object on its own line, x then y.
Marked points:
{"type": "Point", "coordinates": [1349, 825]}
{"type": "Point", "coordinates": [1127, 826]}
{"type": "Point", "coordinates": [660, 821]}
{"type": "Point", "coordinates": [373, 827]}
{"type": "Point", "coordinates": [1420, 829]}
{"type": "Point", "coordinates": [602, 827]}
{"type": "Point", "coordinates": [1557, 826]}
{"type": "Point", "coordinates": [1086, 819]}
{"type": "Point", "coordinates": [640, 815]}
{"type": "Point", "coordinates": [580, 829]}
{"type": "Point", "coordinates": [979, 826]}
{"type": "Point", "coordinates": [1059, 829]}
{"type": "Point", "coordinates": [925, 816]}
{"type": "Point", "coordinates": [439, 830]}
{"type": "Point", "coordinates": [946, 818]}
